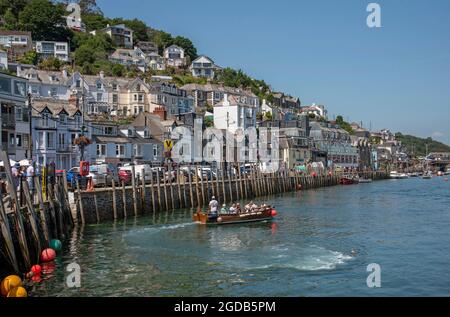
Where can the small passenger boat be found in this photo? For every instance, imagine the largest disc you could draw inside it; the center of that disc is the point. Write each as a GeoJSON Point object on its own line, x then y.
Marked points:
{"type": "Point", "coordinates": [259, 214]}
{"type": "Point", "coordinates": [365, 180]}
{"type": "Point", "coordinates": [349, 180]}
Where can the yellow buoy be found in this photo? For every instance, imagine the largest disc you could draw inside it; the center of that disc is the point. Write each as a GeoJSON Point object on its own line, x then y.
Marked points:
{"type": "Point", "coordinates": [18, 292]}
{"type": "Point", "coordinates": [10, 282]}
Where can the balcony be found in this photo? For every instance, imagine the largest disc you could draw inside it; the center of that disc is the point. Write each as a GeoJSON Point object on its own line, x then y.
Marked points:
{"type": "Point", "coordinates": [64, 148]}
{"type": "Point", "coordinates": [8, 121]}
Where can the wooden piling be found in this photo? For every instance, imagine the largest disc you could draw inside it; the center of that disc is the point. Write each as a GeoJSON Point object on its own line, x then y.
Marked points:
{"type": "Point", "coordinates": [143, 193]}
{"type": "Point", "coordinates": [6, 233]}
{"type": "Point", "coordinates": [180, 200]}
{"type": "Point", "coordinates": [42, 210]}
{"type": "Point", "coordinates": [124, 200]}
{"type": "Point", "coordinates": [152, 191]}
{"type": "Point", "coordinates": [80, 203]}
{"type": "Point", "coordinates": [166, 198]}
{"type": "Point", "coordinates": [191, 196]}
{"type": "Point", "coordinates": [170, 180]}
{"type": "Point", "coordinates": [133, 184]}
{"type": "Point", "coordinates": [114, 198]}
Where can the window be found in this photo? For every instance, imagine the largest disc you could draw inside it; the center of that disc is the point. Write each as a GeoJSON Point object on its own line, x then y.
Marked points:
{"type": "Point", "coordinates": [62, 118]}
{"type": "Point", "coordinates": [5, 85]}
{"type": "Point", "coordinates": [54, 92]}
{"type": "Point", "coordinates": [61, 139]}
{"type": "Point", "coordinates": [108, 130]}
{"type": "Point", "coordinates": [61, 47]}
{"type": "Point", "coordinates": [99, 97]}
{"type": "Point", "coordinates": [135, 97]}
{"type": "Point", "coordinates": [146, 133]}
{"type": "Point", "coordinates": [50, 140]}
{"type": "Point", "coordinates": [99, 86]}
{"type": "Point", "coordinates": [114, 87]}
{"type": "Point", "coordinates": [41, 140]}
{"type": "Point", "coordinates": [120, 150]}
{"type": "Point", "coordinates": [137, 150]}
{"type": "Point", "coordinates": [141, 98]}
{"type": "Point", "coordinates": [19, 115]}
{"type": "Point", "coordinates": [45, 119]}
{"type": "Point", "coordinates": [25, 140]}
{"type": "Point", "coordinates": [155, 150]}
{"type": "Point", "coordinates": [12, 139]}
{"type": "Point", "coordinates": [78, 83]}
{"type": "Point", "coordinates": [101, 149]}
{"type": "Point", "coordinates": [115, 98]}
{"type": "Point", "coordinates": [20, 89]}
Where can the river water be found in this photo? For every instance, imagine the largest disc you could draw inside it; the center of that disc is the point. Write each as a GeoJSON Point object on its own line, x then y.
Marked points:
{"type": "Point", "coordinates": [402, 225]}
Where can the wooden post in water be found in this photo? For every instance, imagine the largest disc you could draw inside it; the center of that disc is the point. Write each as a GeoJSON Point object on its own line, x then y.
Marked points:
{"type": "Point", "coordinates": [114, 198]}
{"type": "Point", "coordinates": [42, 210]}
{"type": "Point", "coordinates": [124, 200]}
{"type": "Point", "coordinates": [191, 195]}
{"type": "Point", "coordinates": [66, 195]}
{"type": "Point", "coordinates": [197, 186]}
{"type": "Point", "coordinates": [166, 198]}
{"type": "Point", "coordinates": [222, 176]}
{"type": "Point", "coordinates": [6, 233]}
{"type": "Point", "coordinates": [241, 187]}
{"type": "Point", "coordinates": [143, 193]}
{"type": "Point", "coordinates": [202, 187]}
{"type": "Point", "coordinates": [13, 194]}
{"type": "Point", "coordinates": [180, 200]}
{"type": "Point", "coordinates": [133, 184]}
{"type": "Point", "coordinates": [152, 192]}
{"type": "Point", "coordinates": [217, 184]}
{"type": "Point", "coordinates": [31, 214]}
{"type": "Point", "coordinates": [170, 180]}
{"type": "Point", "coordinates": [229, 186]}
{"type": "Point", "coordinates": [80, 202]}
{"type": "Point", "coordinates": [238, 193]}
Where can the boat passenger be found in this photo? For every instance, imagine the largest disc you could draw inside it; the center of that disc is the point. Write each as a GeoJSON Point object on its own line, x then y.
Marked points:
{"type": "Point", "coordinates": [238, 208]}
{"type": "Point", "coordinates": [213, 206]}
{"type": "Point", "coordinates": [224, 210]}
{"type": "Point", "coordinates": [233, 209]}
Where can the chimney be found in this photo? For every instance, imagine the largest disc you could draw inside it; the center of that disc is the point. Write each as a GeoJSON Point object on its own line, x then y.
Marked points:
{"type": "Point", "coordinates": [225, 100]}
{"type": "Point", "coordinates": [102, 74]}
{"type": "Point", "coordinates": [73, 100]}
{"type": "Point", "coordinates": [160, 112]}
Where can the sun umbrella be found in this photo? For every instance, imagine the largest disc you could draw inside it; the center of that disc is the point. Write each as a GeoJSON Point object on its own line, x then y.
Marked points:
{"type": "Point", "coordinates": [11, 162]}
{"type": "Point", "coordinates": [25, 162]}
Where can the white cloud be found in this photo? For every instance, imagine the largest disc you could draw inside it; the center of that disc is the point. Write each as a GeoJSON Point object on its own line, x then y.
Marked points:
{"type": "Point", "coordinates": [437, 134]}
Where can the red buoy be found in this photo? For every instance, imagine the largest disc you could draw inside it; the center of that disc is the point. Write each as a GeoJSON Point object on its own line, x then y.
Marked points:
{"type": "Point", "coordinates": [314, 174]}
{"type": "Point", "coordinates": [48, 255]}
{"type": "Point", "coordinates": [36, 269]}
{"type": "Point", "coordinates": [37, 278]}
{"type": "Point", "coordinates": [273, 213]}
{"type": "Point", "coordinates": [48, 268]}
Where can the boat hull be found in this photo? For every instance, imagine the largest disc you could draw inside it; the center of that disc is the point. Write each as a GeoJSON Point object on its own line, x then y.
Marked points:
{"type": "Point", "coordinates": [348, 181]}
{"type": "Point", "coordinates": [226, 219]}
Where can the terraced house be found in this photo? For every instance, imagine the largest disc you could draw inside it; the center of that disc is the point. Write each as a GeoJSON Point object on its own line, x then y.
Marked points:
{"type": "Point", "coordinates": [14, 119]}
{"type": "Point", "coordinates": [212, 94]}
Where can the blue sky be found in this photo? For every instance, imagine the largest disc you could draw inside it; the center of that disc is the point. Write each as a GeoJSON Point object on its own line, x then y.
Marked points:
{"type": "Point", "coordinates": [396, 76]}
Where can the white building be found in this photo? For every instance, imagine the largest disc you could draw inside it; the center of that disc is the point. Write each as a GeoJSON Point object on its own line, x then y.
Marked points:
{"type": "Point", "coordinates": [3, 60]}
{"type": "Point", "coordinates": [14, 119]}
{"type": "Point", "coordinates": [203, 66]}
{"type": "Point", "coordinates": [59, 50]}
{"type": "Point", "coordinates": [175, 56]}
{"type": "Point", "coordinates": [128, 57]}
{"type": "Point", "coordinates": [232, 115]}
{"type": "Point", "coordinates": [120, 34]}
{"type": "Point", "coordinates": [317, 110]}
{"type": "Point", "coordinates": [155, 61]}
{"type": "Point", "coordinates": [56, 124]}
{"type": "Point", "coordinates": [73, 20]}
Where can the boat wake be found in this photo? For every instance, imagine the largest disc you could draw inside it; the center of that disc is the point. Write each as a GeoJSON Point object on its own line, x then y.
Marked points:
{"type": "Point", "coordinates": [155, 229]}
{"type": "Point", "coordinates": [310, 258]}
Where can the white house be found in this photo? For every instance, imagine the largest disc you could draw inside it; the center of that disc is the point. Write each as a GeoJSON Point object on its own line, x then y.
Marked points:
{"type": "Point", "coordinates": [73, 20]}
{"type": "Point", "coordinates": [14, 119]}
{"type": "Point", "coordinates": [56, 124]}
{"type": "Point", "coordinates": [203, 66]}
{"type": "Point", "coordinates": [175, 56]}
{"type": "Point", "coordinates": [155, 61]}
{"type": "Point", "coordinates": [317, 110]}
{"type": "Point", "coordinates": [3, 60]}
{"type": "Point", "coordinates": [59, 50]}
{"type": "Point", "coordinates": [120, 34]}
{"type": "Point", "coordinates": [128, 57]}
{"type": "Point", "coordinates": [232, 115]}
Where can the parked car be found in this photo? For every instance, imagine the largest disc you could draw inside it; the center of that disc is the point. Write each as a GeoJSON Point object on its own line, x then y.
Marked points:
{"type": "Point", "coordinates": [103, 174]}
{"type": "Point", "coordinates": [148, 172]}
{"type": "Point", "coordinates": [72, 176]}
{"type": "Point", "coordinates": [125, 176]}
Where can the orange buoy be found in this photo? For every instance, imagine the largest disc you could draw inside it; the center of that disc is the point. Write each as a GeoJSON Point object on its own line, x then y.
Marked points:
{"type": "Point", "coordinates": [48, 255]}
{"type": "Point", "coordinates": [219, 220]}
{"type": "Point", "coordinates": [299, 187]}
{"type": "Point", "coordinates": [10, 282]}
{"type": "Point", "coordinates": [17, 292]}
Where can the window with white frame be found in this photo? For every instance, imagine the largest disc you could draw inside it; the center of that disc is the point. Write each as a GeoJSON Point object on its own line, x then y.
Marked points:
{"type": "Point", "coordinates": [120, 150]}
{"type": "Point", "coordinates": [155, 150]}
{"type": "Point", "coordinates": [101, 149]}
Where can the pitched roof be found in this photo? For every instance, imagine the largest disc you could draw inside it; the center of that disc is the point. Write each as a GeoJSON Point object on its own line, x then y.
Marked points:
{"type": "Point", "coordinates": [153, 122]}
{"type": "Point", "coordinates": [54, 106]}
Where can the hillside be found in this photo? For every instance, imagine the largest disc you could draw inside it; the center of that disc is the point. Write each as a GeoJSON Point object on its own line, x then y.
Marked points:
{"type": "Point", "coordinates": [418, 145]}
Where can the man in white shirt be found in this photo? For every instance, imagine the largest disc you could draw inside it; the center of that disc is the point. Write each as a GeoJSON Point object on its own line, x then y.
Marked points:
{"type": "Point", "coordinates": [213, 205]}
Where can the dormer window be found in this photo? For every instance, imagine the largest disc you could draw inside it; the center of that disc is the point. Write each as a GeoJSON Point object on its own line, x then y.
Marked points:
{"type": "Point", "coordinates": [78, 83]}
{"type": "Point", "coordinates": [114, 87]}
{"type": "Point", "coordinates": [99, 86]}
{"type": "Point", "coordinates": [138, 88]}
{"type": "Point", "coordinates": [62, 118]}
{"type": "Point", "coordinates": [146, 134]}
{"type": "Point", "coordinates": [130, 132]}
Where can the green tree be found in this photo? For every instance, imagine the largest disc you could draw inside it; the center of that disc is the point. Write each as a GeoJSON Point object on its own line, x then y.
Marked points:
{"type": "Point", "coordinates": [15, 6]}
{"type": "Point", "coordinates": [89, 7]}
{"type": "Point", "coordinates": [51, 64]}
{"type": "Point", "coordinates": [94, 21]}
{"type": "Point", "coordinates": [30, 58]}
{"type": "Point", "coordinates": [10, 20]}
{"type": "Point", "coordinates": [161, 38]}
{"type": "Point", "coordinates": [84, 55]}
{"type": "Point", "coordinates": [118, 70]}
{"type": "Point", "coordinates": [45, 20]}
{"type": "Point", "coordinates": [209, 122]}
{"type": "Point", "coordinates": [187, 45]}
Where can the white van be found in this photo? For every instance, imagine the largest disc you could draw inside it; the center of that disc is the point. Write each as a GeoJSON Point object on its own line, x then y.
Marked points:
{"type": "Point", "coordinates": [138, 171]}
